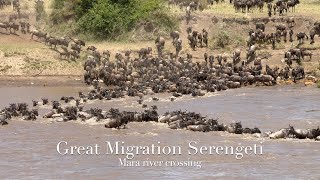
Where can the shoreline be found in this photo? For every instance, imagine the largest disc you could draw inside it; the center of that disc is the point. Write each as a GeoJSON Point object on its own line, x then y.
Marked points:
{"type": "Point", "coordinates": [77, 80]}
{"type": "Point", "coordinates": [41, 80]}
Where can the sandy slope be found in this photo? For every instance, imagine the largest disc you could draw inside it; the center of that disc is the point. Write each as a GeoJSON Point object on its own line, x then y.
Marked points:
{"type": "Point", "coordinates": [21, 56]}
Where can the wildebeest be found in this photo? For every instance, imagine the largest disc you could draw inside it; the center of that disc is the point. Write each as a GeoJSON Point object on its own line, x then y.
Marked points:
{"type": "Point", "coordinates": [281, 27]}
{"type": "Point", "coordinates": [205, 37]}
{"type": "Point", "coordinates": [174, 35]}
{"type": "Point", "coordinates": [260, 4]}
{"type": "Point", "coordinates": [4, 26]}
{"type": "Point", "coordinates": [292, 4]}
{"type": "Point", "coordinates": [188, 14]}
{"type": "Point", "coordinates": [306, 133]}
{"type": "Point", "coordinates": [38, 34]}
{"type": "Point", "coordinates": [74, 54]}
{"type": "Point", "coordinates": [76, 47]}
{"type": "Point", "coordinates": [291, 22]}
{"type": "Point", "coordinates": [305, 53]}
{"type": "Point", "coordinates": [251, 53]}
{"type": "Point", "coordinates": [143, 52]}
{"type": "Point", "coordinates": [15, 4]}
{"type": "Point", "coordinates": [301, 36]}
{"type": "Point", "coordinates": [313, 32]}
{"type": "Point", "coordinates": [261, 26]}
{"type": "Point", "coordinates": [91, 48]}
{"type": "Point", "coordinates": [178, 46]}
{"type": "Point", "coordinates": [295, 52]}
{"type": "Point", "coordinates": [53, 42]}
{"type": "Point", "coordinates": [64, 41]}
{"type": "Point", "coordinates": [287, 56]}
{"type": "Point", "coordinates": [78, 42]}
{"type": "Point", "coordinates": [65, 54]}
{"type": "Point", "coordinates": [283, 133]}
{"type": "Point", "coordinates": [160, 42]}
{"type": "Point", "coordinates": [235, 128]}
{"type": "Point", "coordinates": [236, 56]}
{"type": "Point", "coordinates": [297, 73]}
{"type": "Point", "coordinates": [13, 26]}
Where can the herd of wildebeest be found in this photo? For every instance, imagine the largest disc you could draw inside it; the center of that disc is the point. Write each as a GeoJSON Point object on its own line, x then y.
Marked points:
{"type": "Point", "coordinates": [71, 109]}
{"type": "Point", "coordinates": [282, 7]}
{"type": "Point", "coordinates": [147, 73]}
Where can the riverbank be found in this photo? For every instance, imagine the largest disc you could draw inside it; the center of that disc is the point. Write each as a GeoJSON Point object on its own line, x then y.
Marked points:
{"type": "Point", "coordinates": [77, 80]}
{"type": "Point", "coordinates": [38, 81]}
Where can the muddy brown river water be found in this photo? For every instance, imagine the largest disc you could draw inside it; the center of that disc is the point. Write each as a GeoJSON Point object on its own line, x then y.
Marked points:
{"type": "Point", "coordinates": [28, 150]}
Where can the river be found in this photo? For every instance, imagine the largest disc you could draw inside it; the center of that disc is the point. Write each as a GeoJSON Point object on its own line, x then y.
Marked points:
{"type": "Point", "coordinates": [28, 150]}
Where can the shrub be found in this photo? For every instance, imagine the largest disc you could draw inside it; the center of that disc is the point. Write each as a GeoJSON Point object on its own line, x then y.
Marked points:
{"type": "Point", "coordinates": [40, 12]}
{"type": "Point", "coordinates": [110, 18]}
{"type": "Point", "coordinates": [63, 11]}
{"type": "Point", "coordinates": [83, 7]}
{"type": "Point", "coordinates": [222, 39]}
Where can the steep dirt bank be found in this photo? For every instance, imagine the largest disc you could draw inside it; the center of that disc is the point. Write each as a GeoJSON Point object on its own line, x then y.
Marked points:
{"type": "Point", "coordinates": [21, 56]}
{"type": "Point", "coordinates": [25, 81]}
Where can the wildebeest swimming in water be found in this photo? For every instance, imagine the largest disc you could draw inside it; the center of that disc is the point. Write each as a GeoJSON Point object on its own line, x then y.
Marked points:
{"type": "Point", "coordinates": [283, 133]}
{"type": "Point", "coordinates": [175, 120]}
{"type": "Point", "coordinates": [251, 131]}
{"type": "Point", "coordinates": [3, 119]}
{"type": "Point", "coordinates": [306, 133]}
{"type": "Point", "coordinates": [235, 128]}
{"type": "Point", "coordinates": [195, 122]}
{"type": "Point", "coordinates": [118, 119]}
{"type": "Point", "coordinates": [17, 110]}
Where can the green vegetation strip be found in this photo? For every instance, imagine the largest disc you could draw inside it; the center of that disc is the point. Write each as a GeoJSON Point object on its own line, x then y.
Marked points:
{"type": "Point", "coordinates": [110, 19]}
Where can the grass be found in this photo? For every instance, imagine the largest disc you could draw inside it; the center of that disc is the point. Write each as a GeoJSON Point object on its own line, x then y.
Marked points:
{"type": "Point", "coordinates": [32, 65]}
{"type": "Point", "coordinates": [306, 8]}
{"type": "Point", "coordinates": [309, 46]}
{"type": "Point", "coordinates": [13, 49]}
{"type": "Point", "coordinates": [225, 10]}
{"type": "Point", "coordinates": [27, 57]}
{"type": "Point", "coordinates": [13, 52]}
{"type": "Point", "coordinates": [5, 68]}
{"type": "Point", "coordinates": [226, 38]}
{"type": "Point", "coordinates": [18, 46]}
{"type": "Point", "coordinates": [25, 5]}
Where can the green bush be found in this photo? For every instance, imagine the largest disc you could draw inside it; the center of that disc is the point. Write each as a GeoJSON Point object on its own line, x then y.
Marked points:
{"type": "Point", "coordinates": [40, 12]}
{"type": "Point", "coordinates": [222, 39]}
{"type": "Point", "coordinates": [226, 37]}
{"type": "Point", "coordinates": [63, 11]}
{"type": "Point", "coordinates": [111, 18]}
{"type": "Point", "coordinates": [83, 7]}
{"type": "Point", "coordinates": [58, 4]}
